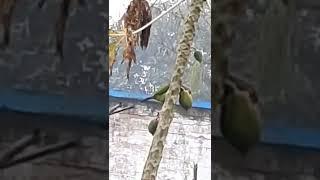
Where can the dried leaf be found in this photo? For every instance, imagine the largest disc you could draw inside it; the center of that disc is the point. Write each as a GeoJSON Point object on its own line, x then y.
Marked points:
{"type": "Point", "coordinates": [146, 17]}
{"type": "Point", "coordinates": [138, 14]}
{"type": "Point", "coordinates": [113, 49]}
{"type": "Point", "coordinates": [6, 11]}
{"type": "Point", "coordinates": [61, 25]}
{"type": "Point", "coordinates": [129, 55]}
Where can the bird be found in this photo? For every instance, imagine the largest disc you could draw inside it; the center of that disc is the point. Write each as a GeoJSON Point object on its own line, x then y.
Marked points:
{"type": "Point", "coordinates": [244, 85]}
{"type": "Point", "coordinates": [239, 119]}
{"type": "Point", "coordinates": [159, 95]}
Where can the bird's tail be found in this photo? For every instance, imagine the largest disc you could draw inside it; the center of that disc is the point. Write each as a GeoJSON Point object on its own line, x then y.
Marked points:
{"type": "Point", "coordinates": [146, 99]}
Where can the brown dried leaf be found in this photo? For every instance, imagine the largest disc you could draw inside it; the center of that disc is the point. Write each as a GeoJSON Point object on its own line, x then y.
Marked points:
{"type": "Point", "coordinates": [6, 11]}
{"type": "Point", "coordinates": [129, 55]}
{"type": "Point", "coordinates": [138, 14]}
{"type": "Point", "coordinates": [146, 17]}
{"type": "Point", "coordinates": [61, 25]}
{"type": "Point", "coordinates": [113, 49]}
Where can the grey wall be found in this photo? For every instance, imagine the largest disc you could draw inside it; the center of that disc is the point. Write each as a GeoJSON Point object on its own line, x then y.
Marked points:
{"type": "Point", "coordinates": [265, 162]}
{"type": "Point", "coordinates": [277, 48]}
{"type": "Point", "coordinates": [29, 62]}
{"type": "Point", "coordinates": [188, 142]}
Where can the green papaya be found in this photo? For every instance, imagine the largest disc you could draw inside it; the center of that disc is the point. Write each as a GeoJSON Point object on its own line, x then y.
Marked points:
{"type": "Point", "coordinates": [152, 127]}
{"type": "Point", "coordinates": [240, 123]}
{"type": "Point", "coordinates": [185, 98]}
{"type": "Point", "coordinates": [198, 56]}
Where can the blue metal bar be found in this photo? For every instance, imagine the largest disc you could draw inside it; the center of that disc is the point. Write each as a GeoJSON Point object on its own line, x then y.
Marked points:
{"type": "Point", "coordinates": [307, 138]}
{"type": "Point", "coordinates": [290, 136]}
{"type": "Point", "coordinates": [141, 96]}
{"type": "Point", "coordinates": [53, 104]}
{"type": "Point", "coordinates": [97, 107]}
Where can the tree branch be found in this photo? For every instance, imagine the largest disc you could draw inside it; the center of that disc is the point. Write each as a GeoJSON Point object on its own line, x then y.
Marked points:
{"type": "Point", "coordinates": [166, 114]}
{"type": "Point", "coordinates": [40, 153]}
{"type": "Point", "coordinates": [114, 108]}
{"type": "Point", "coordinates": [123, 109]}
{"type": "Point", "coordinates": [195, 171]}
{"type": "Point", "coordinates": [19, 146]}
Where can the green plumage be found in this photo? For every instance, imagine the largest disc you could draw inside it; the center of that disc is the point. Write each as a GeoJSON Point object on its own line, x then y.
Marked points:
{"type": "Point", "coordinates": [185, 98]}
{"type": "Point", "coordinates": [240, 124]}
{"type": "Point", "coordinates": [159, 95]}
{"type": "Point", "coordinates": [162, 90]}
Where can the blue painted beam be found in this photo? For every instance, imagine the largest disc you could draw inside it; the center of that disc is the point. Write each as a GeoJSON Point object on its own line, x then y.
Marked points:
{"type": "Point", "coordinates": [27, 101]}
{"type": "Point", "coordinates": [141, 96]}
{"type": "Point", "coordinates": [97, 107]}
{"type": "Point", "coordinates": [307, 138]}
